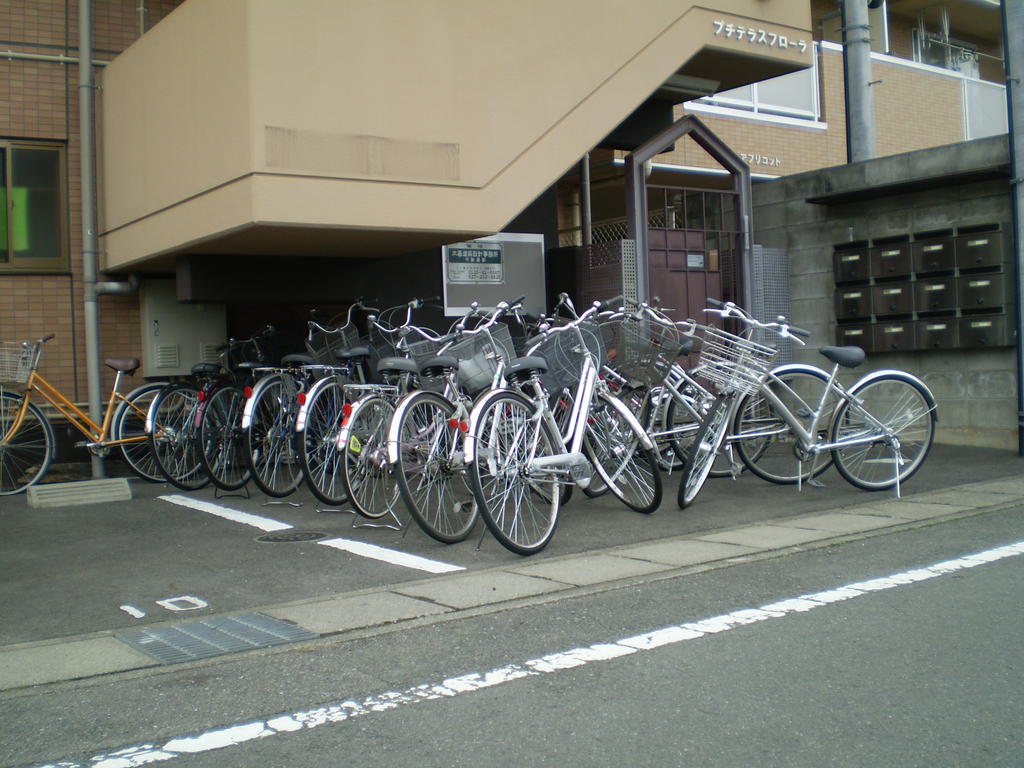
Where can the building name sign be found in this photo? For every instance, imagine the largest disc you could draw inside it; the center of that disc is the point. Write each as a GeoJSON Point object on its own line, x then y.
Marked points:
{"type": "Point", "coordinates": [756, 36]}
{"type": "Point", "coordinates": [769, 161]}
{"type": "Point", "coordinates": [475, 263]}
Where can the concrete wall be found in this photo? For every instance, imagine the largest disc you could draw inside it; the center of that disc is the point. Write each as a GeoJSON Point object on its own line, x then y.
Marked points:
{"type": "Point", "coordinates": [951, 187]}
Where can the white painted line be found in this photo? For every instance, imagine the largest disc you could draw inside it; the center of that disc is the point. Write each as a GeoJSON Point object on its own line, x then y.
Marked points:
{"type": "Point", "coordinates": [263, 523]}
{"type": "Point", "coordinates": [392, 556]}
{"type": "Point", "coordinates": [347, 709]}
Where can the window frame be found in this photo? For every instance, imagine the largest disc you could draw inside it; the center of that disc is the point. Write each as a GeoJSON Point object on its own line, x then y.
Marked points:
{"type": "Point", "coordinates": [9, 264]}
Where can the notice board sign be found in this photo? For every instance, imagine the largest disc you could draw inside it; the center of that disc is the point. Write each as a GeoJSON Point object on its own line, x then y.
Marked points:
{"type": "Point", "coordinates": [492, 269]}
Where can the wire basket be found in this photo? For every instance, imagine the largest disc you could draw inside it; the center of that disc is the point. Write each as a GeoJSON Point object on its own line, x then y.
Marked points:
{"type": "Point", "coordinates": [732, 363]}
{"type": "Point", "coordinates": [16, 361]}
{"type": "Point", "coordinates": [641, 349]}
{"type": "Point", "coordinates": [322, 342]}
{"type": "Point", "coordinates": [564, 351]}
{"type": "Point", "coordinates": [420, 350]}
{"type": "Point", "coordinates": [479, 353]}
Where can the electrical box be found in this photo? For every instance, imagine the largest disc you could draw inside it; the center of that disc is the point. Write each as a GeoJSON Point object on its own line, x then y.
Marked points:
{"type": "Point", "coordinates": [176, 336]}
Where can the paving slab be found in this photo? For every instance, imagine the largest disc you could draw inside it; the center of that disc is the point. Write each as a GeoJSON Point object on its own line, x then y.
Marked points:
{"type": "Point", "coordinates": [345, 613]}
{"type": "Point", "coordinates": [766, 537]}
{"type": "Point", "coordinates": [475, 589]}
{"type": "Point", "coordinates": [33, 664]}
{"type": "Point", "coordinates": [974, 498]}
{"type": "Point", "coordinates": [843, 522]}
{"type": "Point", "coordinates": [683, 552]}
{"type": "Point", "coordinates": [592, 569]}
{"type": "Point", "coordinates": [904, 509]}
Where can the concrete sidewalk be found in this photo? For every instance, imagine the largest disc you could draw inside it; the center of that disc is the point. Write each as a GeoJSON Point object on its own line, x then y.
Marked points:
{"type": "Point", "coordinates": [523, 580]}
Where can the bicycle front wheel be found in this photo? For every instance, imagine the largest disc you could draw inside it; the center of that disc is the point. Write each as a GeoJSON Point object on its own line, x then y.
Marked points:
{"type": "Point", "coordinates": [220, 432]}
{"type": "Point", "coordinates": [614, 447]}
{"type": "Point", "coordinates": [174, 436]}
{"type": "Point", "coordinates": [369, 483]}
{"type": "Point", "coordinates": [519, 503]}
{"type": "Point", "coordinates": [25, 454]}
{"type": "Point", "coordinates": [270, 441]}
{"type": "Point", "coordinates": [763, 439]}
{"type": "Point", "coordinates": [321, 459]}
{"type": "Point", "coordinates": [130, 424]}
{"type": "Point", "coordinates": [701, 455]}
{"type": "Point", "coordinates": [890, 423]}
{"type": "Point", "coordinates": [430, 470]}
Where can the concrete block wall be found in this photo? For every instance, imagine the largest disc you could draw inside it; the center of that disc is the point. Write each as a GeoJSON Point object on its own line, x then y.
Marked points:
{"type": "Point", "coordinates": [955, 186]}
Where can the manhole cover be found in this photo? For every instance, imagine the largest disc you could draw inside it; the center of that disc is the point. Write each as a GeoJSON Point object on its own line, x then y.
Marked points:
{"type": "Point", "coordinates": [290, 536]}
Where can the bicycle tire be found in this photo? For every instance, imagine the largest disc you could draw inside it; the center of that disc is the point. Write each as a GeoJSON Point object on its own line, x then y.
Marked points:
{"type": "Point", "coordinates": [369, 482]}
{"type": "Point", "coordinates": [321, 460]}
{"type": "Point", "coordinates": [906, 409]}
{"type": "Point", "coordinates": [25, 456]}
{"type": "Point", "coordinates": [615, 448]}
{"type": "Point", "coordinates": [174, 437]}
{"type": "Point", "coordinates": [701, 455]}
{"type": "Point", "coordinates": [685, 419]}
{"type": "Point", "coordinates": [504, 437]}
{"type": "Point", "coordinates": [764, 441]}
{"type": "Point", "coordinates": [430, 469]}
{"type": "Point", "coordinates": [220, 434]}
{"type": "Point", "coordinates": [130, 422]}
{"type": "Point", "coordinates": [270, 440]}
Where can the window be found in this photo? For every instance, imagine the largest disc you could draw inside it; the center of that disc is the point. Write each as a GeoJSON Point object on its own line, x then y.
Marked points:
{"type": "Point", "coordinates": [31, 208]}
{"type": "Point", "coordinates": [794, 95]}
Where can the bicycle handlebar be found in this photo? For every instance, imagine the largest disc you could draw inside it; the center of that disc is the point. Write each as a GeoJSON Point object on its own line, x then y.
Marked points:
{"type": "Point", "coordinates": [780, 327]}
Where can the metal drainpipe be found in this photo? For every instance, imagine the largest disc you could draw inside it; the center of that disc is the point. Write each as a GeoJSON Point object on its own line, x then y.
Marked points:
{"type": "Point", "coordinates": [860, 106]}
{"type": "Point", "coordinates": [1013, 49]}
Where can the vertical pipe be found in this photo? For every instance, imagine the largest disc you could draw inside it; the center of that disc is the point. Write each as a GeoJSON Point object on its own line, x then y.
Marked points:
{"type": "Point", "coordinates": [585, 212]}
{"type": "Point", "coordinates": [1013, 56]}
{"type": "Point", "coordinates": [860, 106]}
{"type": "Point", "coordinates": [90, 253]}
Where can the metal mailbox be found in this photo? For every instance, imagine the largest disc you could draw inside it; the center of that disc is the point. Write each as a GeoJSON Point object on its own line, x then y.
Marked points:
{"type": "Point", "coordinates": [937, 333]}
{"type": "Point", "coordinates": [855, 336]}
{"type": "Point", "coordinates": [853, 302]}
{"type": "Point", "coordinates": [851, 265]}
{"type": "Point", "coordinates": [891, 260]}
{"type": "Point", "coordinates": [935, 295]}
{"type": "Point", "coordinates": [984, 249]}
{"type": "Point", "coordinates": [984, 331]}
{"type": "Point", "coordinates": [982, 291]}
{"type": "Point", "coordinates": [892, 299]}
{"type": "Point", "coordinates": [894, 337]}
{"type": "Point", "coordinates": [938, 255]}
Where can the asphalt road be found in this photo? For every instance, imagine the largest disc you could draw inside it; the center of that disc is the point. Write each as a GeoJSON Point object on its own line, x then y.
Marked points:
{"type": "Point", "coordinates": [921, 669]}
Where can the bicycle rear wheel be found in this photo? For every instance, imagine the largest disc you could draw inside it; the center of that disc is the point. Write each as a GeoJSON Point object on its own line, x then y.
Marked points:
{"type": "Point", "coordinates": [25, 456]}
{"type": "Point", "coordinates": [614, 447]}
{"type": "Point", "coordinates": [220, 433]}
{"type": "Point", "coordinates": [701, 455]}
{"type": "Point", "coordinates": [519, 505]}
{"type": "Point", "coordinates": [764, 440]}
{"type": "Point", "coordinates": [174, 436]}
{"type": "Point", "coordinates": [369, 482]}
{"type": "Point", "coordinates": [129, 423]}
{"type": "Point", "coordinates": [430, 470]}
{"type": "Point", "coordinates": [321, 459]}
{"type": "Point", "coordinates": [905, 410]}
{"type": "Point", "coordinates": [270, 440]}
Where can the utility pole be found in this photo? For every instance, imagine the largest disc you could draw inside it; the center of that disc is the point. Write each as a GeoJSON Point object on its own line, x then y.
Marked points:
{"type": "Point", "coordinates": [1013, 58]}
{"type": "Point", "coordinates": [860, 104]}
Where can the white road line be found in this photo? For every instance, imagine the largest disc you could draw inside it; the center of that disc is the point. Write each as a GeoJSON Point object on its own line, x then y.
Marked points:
{"type": "Point", "coordinates": [392, 556]}
{"type": "Point", "coordinates": [263, 523]}
{"type": "Point", "coordinates": [346, 709]}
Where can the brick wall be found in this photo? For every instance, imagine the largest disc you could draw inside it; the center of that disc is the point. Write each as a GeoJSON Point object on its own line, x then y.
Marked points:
{"type": "Point", "coordinates": [39, 101]}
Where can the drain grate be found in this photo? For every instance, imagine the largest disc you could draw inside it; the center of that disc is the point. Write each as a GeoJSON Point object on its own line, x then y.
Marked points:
{"type": "Point", "coordinates": [213, 637]}
{"type": "Point", "coordinates": [288, 536]}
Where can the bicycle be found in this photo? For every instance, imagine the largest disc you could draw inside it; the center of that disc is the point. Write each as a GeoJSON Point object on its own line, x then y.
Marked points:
{"type": "Point", "coordinates": [27, 440]}
{"type": "Point", "coordinates": [878, 434]}
{"type": "Point", "coordinates": [518, 457]}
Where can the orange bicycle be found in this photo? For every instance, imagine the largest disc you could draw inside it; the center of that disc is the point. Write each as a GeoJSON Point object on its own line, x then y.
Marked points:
{"type": "Point", "coordinates": [27, 443]}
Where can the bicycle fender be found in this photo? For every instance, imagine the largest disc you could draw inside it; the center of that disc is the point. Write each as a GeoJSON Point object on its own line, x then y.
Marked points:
{"type": "Point", "coordinates": [813, 370]}
{"type": "Point", "coordinates": [469, 446]}
{"type": "Point", "coordinates": [634, 423]}
{"type": "Point", "coordinates": [251, 401]}
{"type": "Point", "coordinates": [396, 420]}
{"type": "Point", "coordinates": [302, 415]}
{"type": "Point", "coordinates": [875, 375]}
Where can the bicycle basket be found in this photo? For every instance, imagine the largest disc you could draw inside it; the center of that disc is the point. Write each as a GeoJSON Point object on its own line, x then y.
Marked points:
{"type": "Point", "coordinates": [16, 361]}
{"type": "Point", "coordinates": [479, 353]}
{"type": "Point", "coordinates": [732, 363]}
{"type": "Point", "coordinates": [321, 343]}
{"type": "Point", "coordinates": [564, 353]}
{"type": "Point", "coordinates": [641, 349]}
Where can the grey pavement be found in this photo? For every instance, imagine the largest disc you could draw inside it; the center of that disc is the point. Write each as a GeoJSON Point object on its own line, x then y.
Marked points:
{"type": "Point", "coordinates": [76, 577]}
